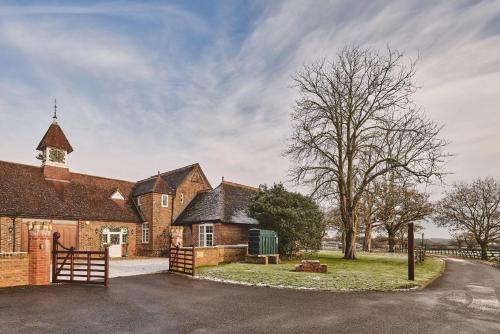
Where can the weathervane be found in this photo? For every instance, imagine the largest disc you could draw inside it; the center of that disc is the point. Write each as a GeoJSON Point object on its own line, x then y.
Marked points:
{"type": "Point", "coordinates": [55, 111]}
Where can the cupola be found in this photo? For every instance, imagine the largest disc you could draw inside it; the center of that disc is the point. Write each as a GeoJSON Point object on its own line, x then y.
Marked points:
{"type": "Point", "coordinates": [54, 149]}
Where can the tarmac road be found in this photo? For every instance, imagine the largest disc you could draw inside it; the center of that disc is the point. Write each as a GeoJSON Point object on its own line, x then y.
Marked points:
{"type": "Point", "coordinates": [464, 300]}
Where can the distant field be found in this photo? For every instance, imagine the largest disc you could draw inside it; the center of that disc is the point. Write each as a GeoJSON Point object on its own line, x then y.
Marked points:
{"type": "Point", "coordinates": [380, 271]}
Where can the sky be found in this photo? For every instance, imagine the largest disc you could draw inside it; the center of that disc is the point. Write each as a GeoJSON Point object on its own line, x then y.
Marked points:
{"type": "Point", "coordinates": [155, 85]}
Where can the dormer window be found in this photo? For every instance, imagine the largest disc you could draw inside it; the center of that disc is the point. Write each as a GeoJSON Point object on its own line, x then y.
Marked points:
{"type": "Point", "coordinates": [138, 201]}
{"type": "Point", "coordinates": [117, 195]}
{"type": "Point", "coordinates": [164, 201]}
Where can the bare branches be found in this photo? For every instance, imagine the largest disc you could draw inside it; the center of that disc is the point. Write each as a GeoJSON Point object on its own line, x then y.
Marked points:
{"type": "Point", "coordinates": [355, 121]}
{"type": "Point", "coordinates": [472, 208]}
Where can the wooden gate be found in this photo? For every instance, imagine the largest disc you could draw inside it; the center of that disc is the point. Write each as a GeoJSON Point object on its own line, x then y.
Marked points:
{"type": "Point", "coordinates": [182, 260]}
{"type": "Point", "coordinates": [75, 266]}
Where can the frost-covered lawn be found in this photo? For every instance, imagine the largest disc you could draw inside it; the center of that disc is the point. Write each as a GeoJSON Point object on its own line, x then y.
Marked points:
{"type": "Point", "coordinates": [369, 272]}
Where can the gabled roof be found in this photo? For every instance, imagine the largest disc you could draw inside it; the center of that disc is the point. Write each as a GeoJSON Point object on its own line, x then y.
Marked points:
{"type": "Point", "coordinates": [24, 192]}
{"type": "Point", "coordinates": [154, 184]}
{"type": "Point", "coordinates": [175, 177]}
{"type": "Point", "coordinates": [167, 182]}
{"type": "Point", "coordinates": [54, 137]}
{"type": "Point", "coordinates": [227, 203]}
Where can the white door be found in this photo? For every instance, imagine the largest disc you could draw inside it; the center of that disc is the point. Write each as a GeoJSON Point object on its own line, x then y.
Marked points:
{"type": "Point", "coordinates": [115, 244]}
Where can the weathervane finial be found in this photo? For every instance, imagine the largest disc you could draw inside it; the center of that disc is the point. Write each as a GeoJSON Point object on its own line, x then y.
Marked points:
{"type": "Point", "coordinates": [55, 111]}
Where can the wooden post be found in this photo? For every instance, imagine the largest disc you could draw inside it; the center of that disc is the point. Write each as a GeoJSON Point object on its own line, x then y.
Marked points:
{"type": "Point", "coordinates": [411, 253]}
{"type": "Point", "coordinates": [194, 260]}
{"type": "Point", "coordinates": [88, 266]}
{"type": "Point", "coordinates": [106, 267]}
{"type": "Point", "coordinates": [72, 267]}
{"type": "Point", "coordinates": [54, 255]}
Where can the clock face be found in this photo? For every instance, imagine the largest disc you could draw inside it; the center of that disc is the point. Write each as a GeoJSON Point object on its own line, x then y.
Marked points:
{"type": "Point", "coordinates": [56, 156]}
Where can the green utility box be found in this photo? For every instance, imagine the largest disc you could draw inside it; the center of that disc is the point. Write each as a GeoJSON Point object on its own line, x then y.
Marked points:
{"type": "Point", "coordinates": [262, 242]}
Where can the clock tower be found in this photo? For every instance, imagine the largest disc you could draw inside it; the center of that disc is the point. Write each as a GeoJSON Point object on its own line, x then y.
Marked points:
{"type": "Point", "coordinates": [54, 149]}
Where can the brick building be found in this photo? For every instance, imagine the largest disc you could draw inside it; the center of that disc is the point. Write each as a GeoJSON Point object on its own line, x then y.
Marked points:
{"type": "Point", "coordinates": [133, 218]}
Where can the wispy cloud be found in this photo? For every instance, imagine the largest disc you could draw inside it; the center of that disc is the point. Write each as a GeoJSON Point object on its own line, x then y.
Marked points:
{"type": "Point", "coordinates": [149, 86]}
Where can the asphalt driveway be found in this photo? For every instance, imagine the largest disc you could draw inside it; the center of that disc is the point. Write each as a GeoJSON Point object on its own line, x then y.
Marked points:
{"type": "Point", "coordinates": [464, 300]}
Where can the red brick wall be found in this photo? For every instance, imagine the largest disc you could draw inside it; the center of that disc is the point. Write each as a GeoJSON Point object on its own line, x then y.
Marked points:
{"type": "Point", "coordinates": [212, 256]}
{"type": "Point", "coordinates": [14, 269]}
{"type": "Point", "coordinates": [88, 239]}
{"type": "Point", "coordinates": [159, 219]}
{"type": "Point", "coordinates": [56, 173]}
{"type": "Point", "coordinates": [231, 234]}
{"type": "Point", "coordinates": [40, 246]}
{"type": "Point", "coordinates": [7, 237]}
{"type": "Point", "coordinates": [187, 236]}
{"type": "Point", "coordinates": [224, 234]}
{"type": "Point", "coordinates": [190, 187]}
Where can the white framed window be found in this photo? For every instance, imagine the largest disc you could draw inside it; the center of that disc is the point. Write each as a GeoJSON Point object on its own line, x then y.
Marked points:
{"type": "Point", "coordinates": [182, 198]}
{"type": "Point", "coordinates": [105, 236]}
{"type": "Point", "coordinates": [120, 237]}
{"type": "Point", "coordinates": [138, 200]}
{"type": "Point", "coordinates": [124, 236]}
{"type": "Point", "coordinates": [145, 233]}
{"type": "Point", "coordinates": [206, 235]}
{"type": "Point", "coordinates": [164, 201]}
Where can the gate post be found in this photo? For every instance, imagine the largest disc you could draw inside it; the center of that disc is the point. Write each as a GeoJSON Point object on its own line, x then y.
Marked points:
{"type": "Point", "coordinates": [39, 237]}
{"type": "Point", "coordinates": [411, 253]}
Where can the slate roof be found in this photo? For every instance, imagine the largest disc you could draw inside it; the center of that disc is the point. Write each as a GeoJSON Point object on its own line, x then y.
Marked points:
{"type": "Point", "coordinates": [227, 203]}
{"type": "Point", "coordinates": [54, 137]}
{"type": "Point", "coordinates": [166, 182]}
{"type": "Point", "coordinates": [24, 192]}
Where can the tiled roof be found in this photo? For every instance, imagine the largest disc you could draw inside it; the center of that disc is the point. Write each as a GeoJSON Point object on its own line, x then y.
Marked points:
{"type": "Point", "coordinates": [155, 184]}
{"type": "Point", "coordinates": [226, 203]}
{"type": "Point", "coordinates": [54, 137]}
{"type": "Point", "coordinates": [24, 192]}
{"type": "Point", "coordinates": [167, 182]}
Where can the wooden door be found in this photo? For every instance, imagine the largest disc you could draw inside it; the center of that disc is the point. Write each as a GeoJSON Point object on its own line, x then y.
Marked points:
{"type": "Point", "coordinates": [67, 229]}
{"type": "Point", "coordinates": [68, 232]}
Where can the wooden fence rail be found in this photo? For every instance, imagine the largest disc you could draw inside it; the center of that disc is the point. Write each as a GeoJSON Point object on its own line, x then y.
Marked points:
{"type": "Point", "coordinates": [491, 254]}
{"type": "Point", "coordinates": [74, 266]}
{"type": "Point", "coordinates": [419, 254]}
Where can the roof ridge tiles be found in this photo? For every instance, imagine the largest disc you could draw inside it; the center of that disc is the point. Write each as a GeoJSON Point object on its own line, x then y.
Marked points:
{"type": "Point", "coordinates": [72, 173]}
{"type": "Point", "coordinates": [239, 185]}
{"type": "Point", "coordinates": [180, 169]}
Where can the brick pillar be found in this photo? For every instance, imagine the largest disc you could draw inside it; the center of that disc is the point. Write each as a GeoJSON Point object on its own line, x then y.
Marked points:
{"type": "Point", "coordinates": [40, 235]}
{"type": "Point", "coordinates": [176, 233]}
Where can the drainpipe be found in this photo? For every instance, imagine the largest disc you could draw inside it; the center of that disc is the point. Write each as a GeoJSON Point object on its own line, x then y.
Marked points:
{"type": "Point", "coordinates": [13, 234]}
{"type": "Point", "coordinates": [172, 212]}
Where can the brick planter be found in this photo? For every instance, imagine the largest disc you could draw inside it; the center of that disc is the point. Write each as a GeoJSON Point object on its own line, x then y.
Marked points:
{"type": "Point", "coordinates": [311, 266]}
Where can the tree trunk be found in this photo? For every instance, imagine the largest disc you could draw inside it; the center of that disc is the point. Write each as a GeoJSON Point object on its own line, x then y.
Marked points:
{"type": "Point", "coordinates": [367, 243]}
{"type": "Point", "coordinates": [392, 241]}
{"type": "Point", "coordinates": [350, 238]}
{"type": "Point", "coordinates": [484, 248]}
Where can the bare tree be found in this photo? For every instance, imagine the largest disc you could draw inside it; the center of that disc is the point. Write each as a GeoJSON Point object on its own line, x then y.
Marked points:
{"type": "Point", "coordinates": [355, 121]}
{"type": "Point", "coordinates": [367, 213]}
{"type": "Point", "coordinates": [466, 239]}
{"type": "Point", "coordinates": [401, 205]}
{"type": "Point", "coordinates": [473, 208]}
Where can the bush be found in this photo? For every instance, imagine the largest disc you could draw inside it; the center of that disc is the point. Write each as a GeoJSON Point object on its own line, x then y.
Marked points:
{"type": "Point", "coordinates": [297, 219]}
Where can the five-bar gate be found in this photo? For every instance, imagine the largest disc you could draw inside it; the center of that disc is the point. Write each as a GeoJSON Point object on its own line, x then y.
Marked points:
{"type": "Point", "coordinates": [182, 260]}
{"type": "Point", "coordinates": [75, 266]}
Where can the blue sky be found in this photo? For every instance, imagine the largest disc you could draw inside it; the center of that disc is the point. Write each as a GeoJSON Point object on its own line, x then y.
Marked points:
{"type": "Point", "coordinates": [146, 86]}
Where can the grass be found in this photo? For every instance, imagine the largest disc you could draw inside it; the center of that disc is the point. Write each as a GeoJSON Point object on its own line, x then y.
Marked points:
{"type": "Point", "coordinates": [379, 272]}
